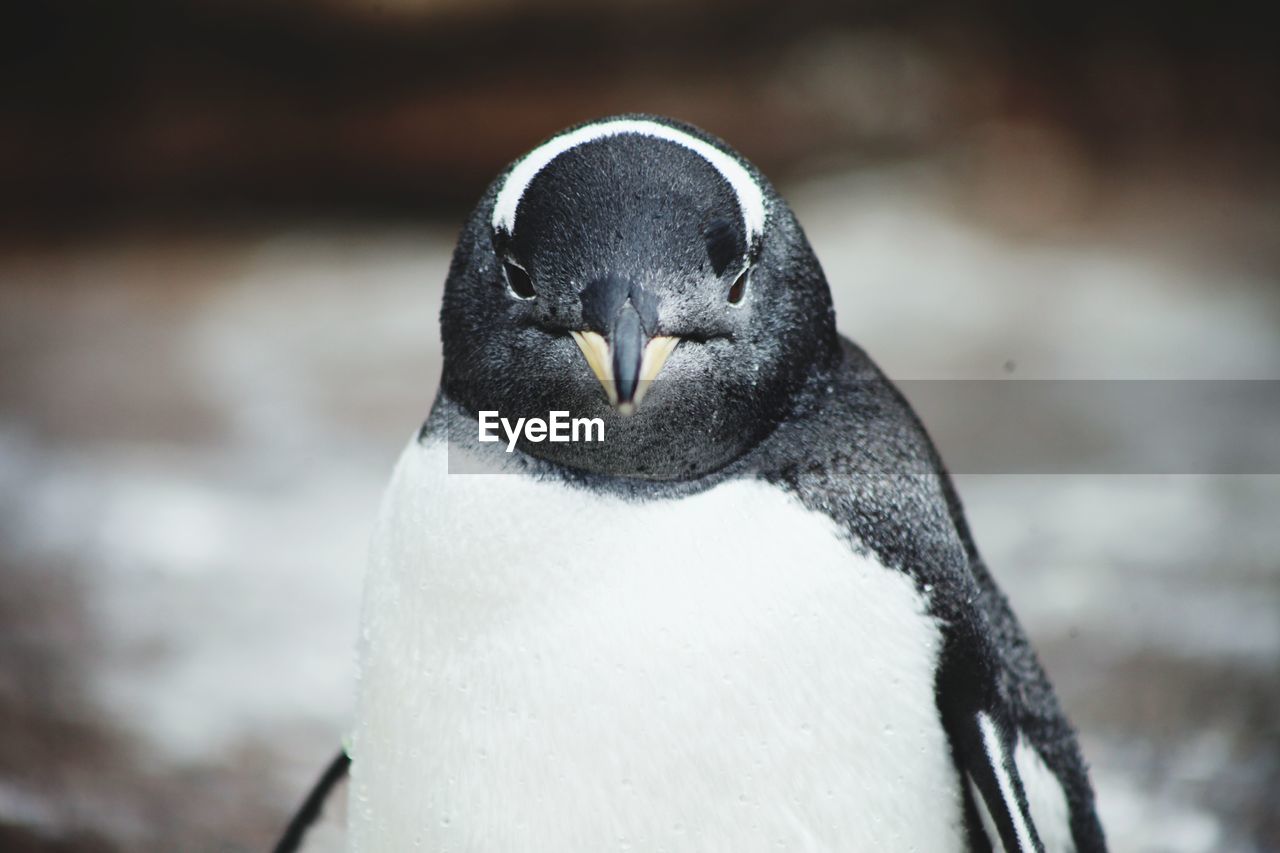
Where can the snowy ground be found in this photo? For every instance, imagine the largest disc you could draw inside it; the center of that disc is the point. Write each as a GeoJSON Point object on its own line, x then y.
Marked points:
{"type": "Point", "coordinates": [194, 432]}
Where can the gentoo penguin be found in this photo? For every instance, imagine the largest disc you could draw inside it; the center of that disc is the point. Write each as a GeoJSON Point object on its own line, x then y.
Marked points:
{"type": "Point", "coordinates": [744, 614]}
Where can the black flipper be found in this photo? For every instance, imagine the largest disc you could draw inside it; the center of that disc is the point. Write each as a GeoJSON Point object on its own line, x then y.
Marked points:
{"type": "Point", "coordinates": [311, 807]}
{"type": "Point", "coordinates": [982, 733]}
{"type": "Point", "coordinates": [989, 764]}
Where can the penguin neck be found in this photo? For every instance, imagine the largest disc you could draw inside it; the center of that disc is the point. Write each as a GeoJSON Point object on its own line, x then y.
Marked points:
{"type": "Point", "coordinates": [456, 424]}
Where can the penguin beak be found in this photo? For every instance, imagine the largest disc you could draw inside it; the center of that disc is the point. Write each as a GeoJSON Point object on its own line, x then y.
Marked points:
{"type": "Point", "coordinates": [628, 361]}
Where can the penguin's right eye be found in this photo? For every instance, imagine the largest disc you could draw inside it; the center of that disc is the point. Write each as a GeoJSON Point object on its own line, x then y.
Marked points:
{"type": "Point", "coordinates": [518, 280]}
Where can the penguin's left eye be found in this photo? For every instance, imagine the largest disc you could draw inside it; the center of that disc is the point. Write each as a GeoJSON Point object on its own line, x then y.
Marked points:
{"type": "Point", "coordinates": [518, 280]}
{"type": "Point", "coordinates": [739, 288]}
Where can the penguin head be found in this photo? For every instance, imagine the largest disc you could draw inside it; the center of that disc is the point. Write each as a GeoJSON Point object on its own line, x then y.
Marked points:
{"type": "Point", "coordinates": [636, 270]}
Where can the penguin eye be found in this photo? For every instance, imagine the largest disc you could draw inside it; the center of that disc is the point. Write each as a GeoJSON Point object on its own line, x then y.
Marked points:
{"type": "Point", "coordinates": [739, 288]}
{"type": "Point", "coordinates": [518, 280]}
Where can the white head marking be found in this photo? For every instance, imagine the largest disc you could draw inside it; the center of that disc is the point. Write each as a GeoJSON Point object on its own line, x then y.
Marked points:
{"type": "Point", "coordinates": [750, 196]}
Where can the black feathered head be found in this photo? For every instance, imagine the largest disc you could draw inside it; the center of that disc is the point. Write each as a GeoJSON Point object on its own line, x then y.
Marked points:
{"type": "Point", "coordinates": [637, 270]}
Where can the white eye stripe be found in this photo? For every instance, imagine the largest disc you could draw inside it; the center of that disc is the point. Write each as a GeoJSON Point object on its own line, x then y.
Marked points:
{"type": "Point", "coordinates": [750, 196]}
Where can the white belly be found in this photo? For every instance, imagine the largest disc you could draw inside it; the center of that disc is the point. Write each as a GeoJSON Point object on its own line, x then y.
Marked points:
{"type": "Point", "coordinates": [545, 669]}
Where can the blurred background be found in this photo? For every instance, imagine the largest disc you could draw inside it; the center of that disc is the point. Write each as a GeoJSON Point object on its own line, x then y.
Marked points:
{"type": "Point", "coordinates": [224, 227]}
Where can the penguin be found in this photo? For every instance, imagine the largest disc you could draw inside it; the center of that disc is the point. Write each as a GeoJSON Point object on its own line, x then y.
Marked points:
{"type": "Point", "coordinates": [750, 617]}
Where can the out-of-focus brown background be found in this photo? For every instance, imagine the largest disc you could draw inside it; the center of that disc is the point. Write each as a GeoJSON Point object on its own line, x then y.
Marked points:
{"type": "Point", "coordinates": [224, 227]}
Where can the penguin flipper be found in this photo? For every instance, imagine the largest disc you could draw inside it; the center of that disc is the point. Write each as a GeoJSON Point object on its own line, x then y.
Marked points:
{"type": "Point", "coordinates": [984, 744]}
{"type": "Point", "coordinates": [309, 812]}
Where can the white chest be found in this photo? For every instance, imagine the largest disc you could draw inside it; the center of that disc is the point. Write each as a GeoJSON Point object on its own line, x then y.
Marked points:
{"type": "Point", "coordinates": [544, 669]}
